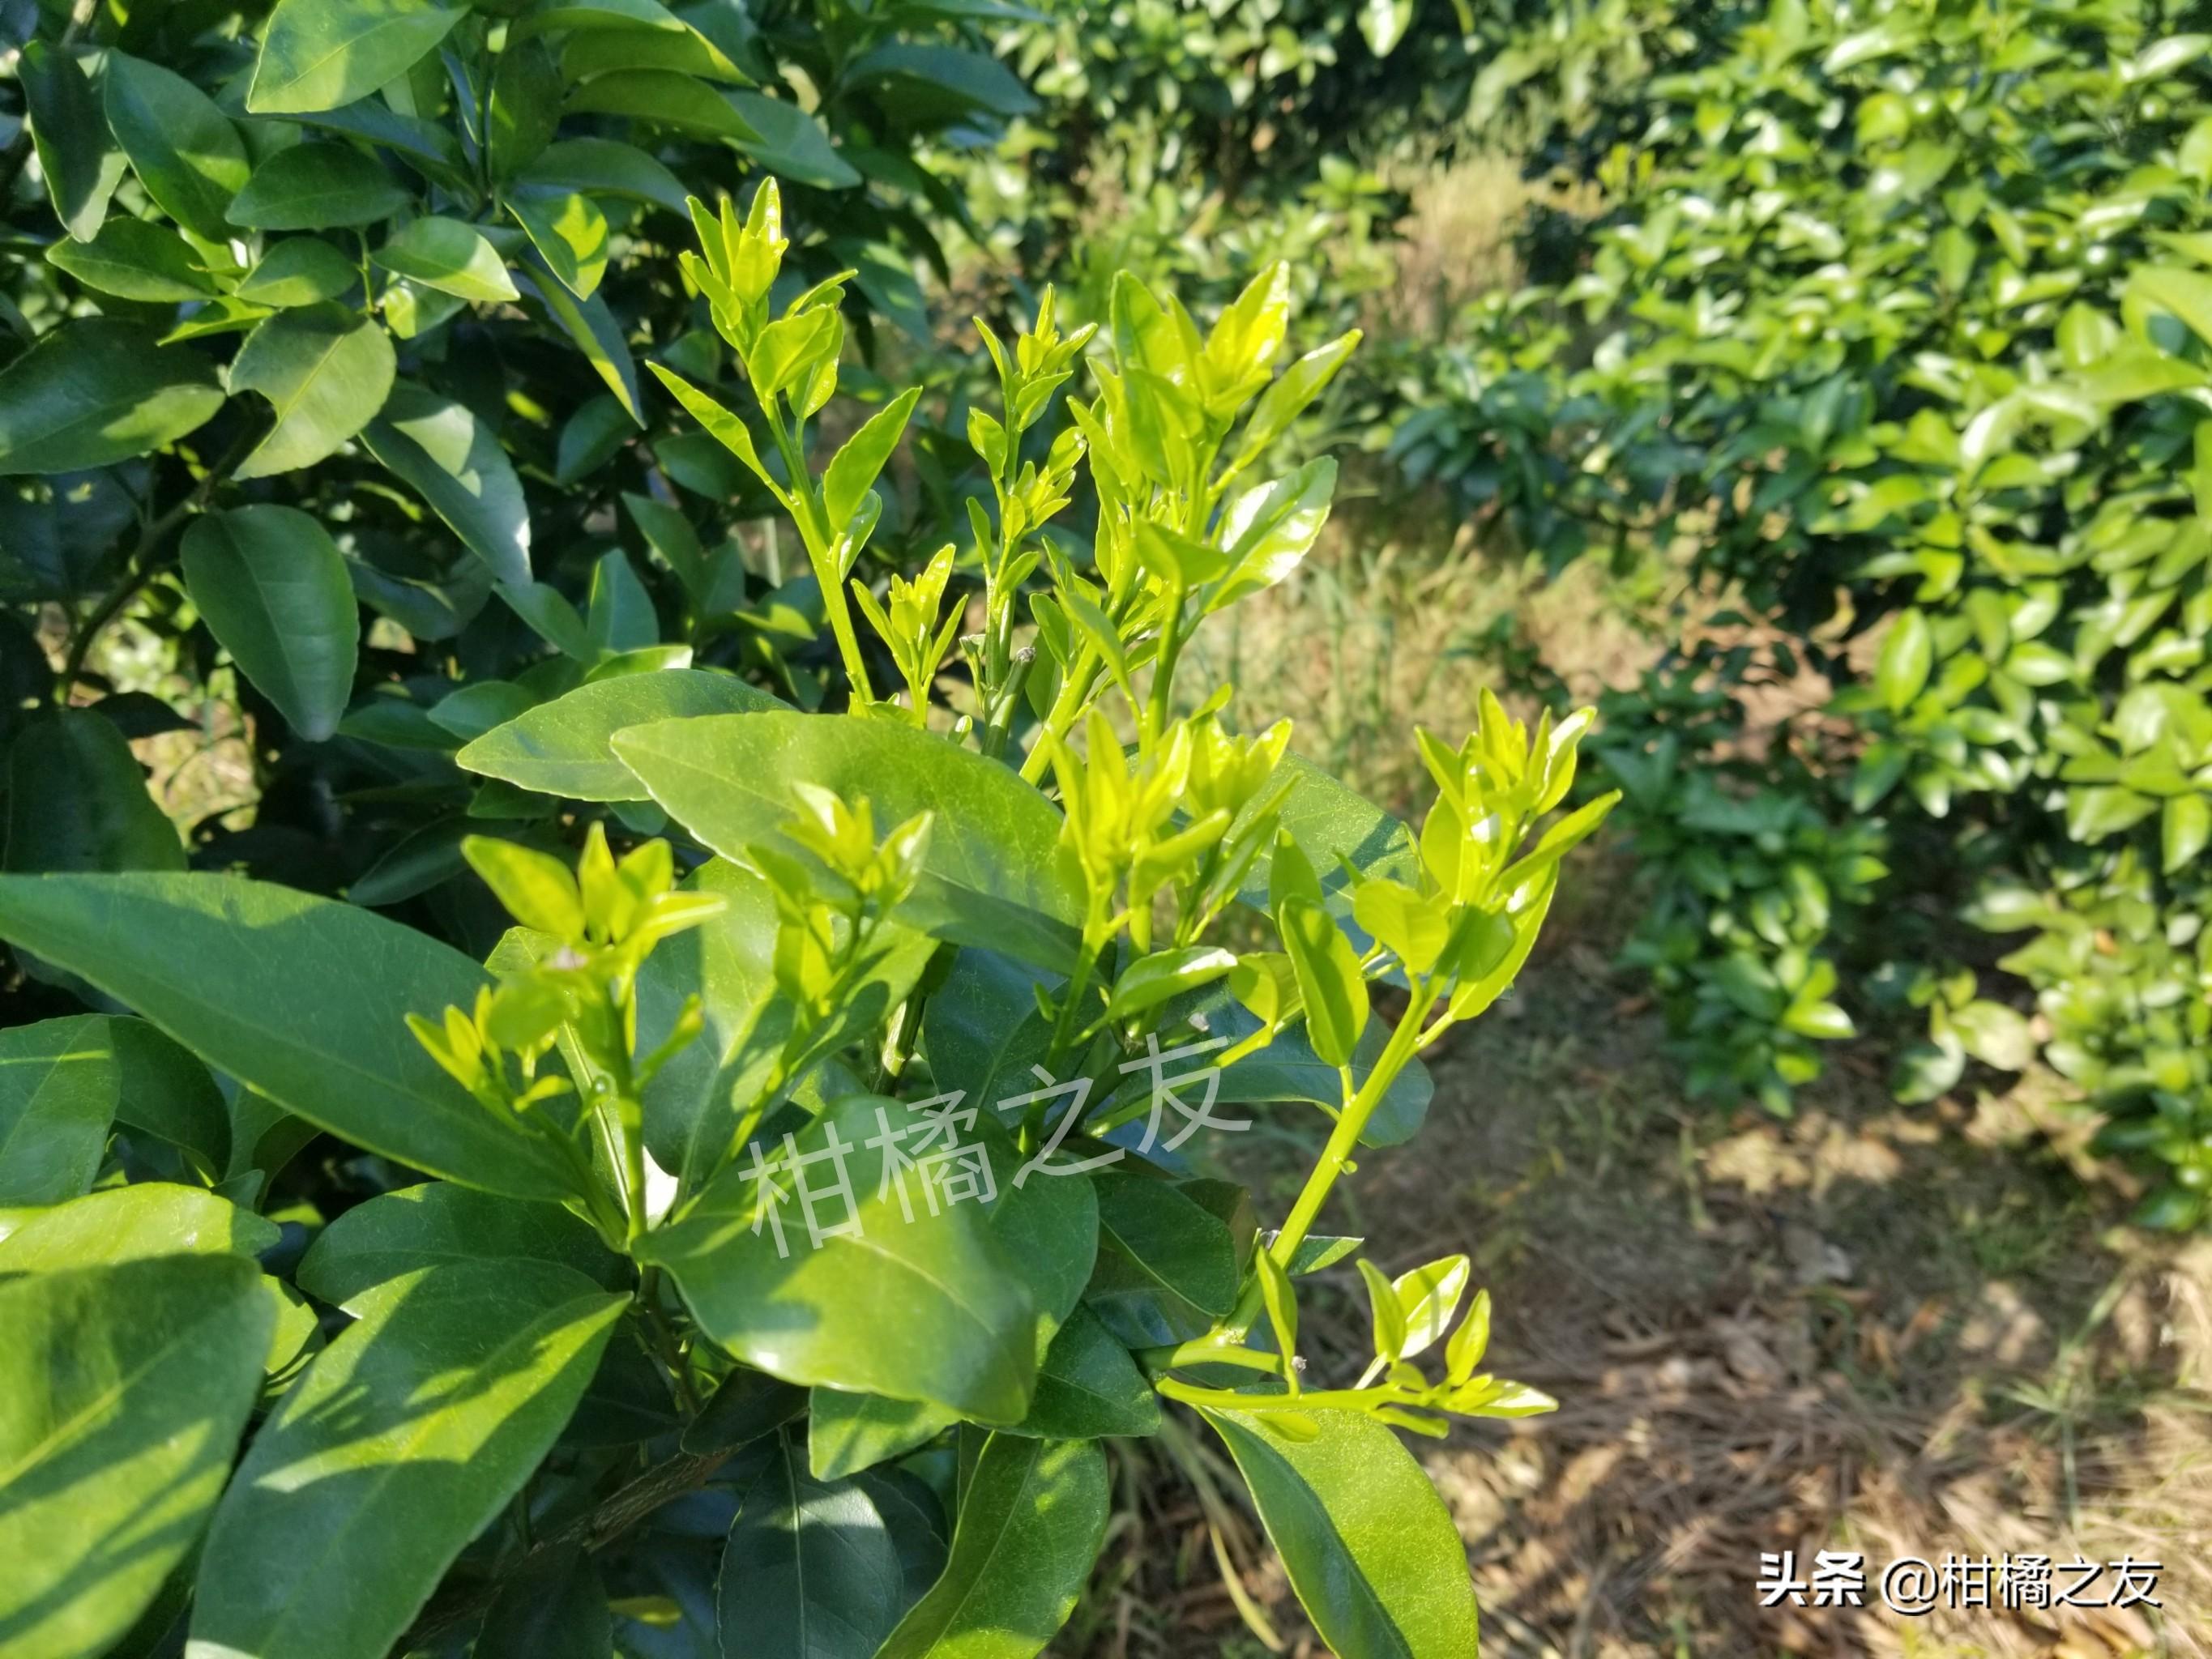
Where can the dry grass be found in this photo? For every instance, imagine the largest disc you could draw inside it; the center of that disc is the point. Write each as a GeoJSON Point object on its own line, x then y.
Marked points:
{"type": "Point", "coordinates": [1863, 1329]}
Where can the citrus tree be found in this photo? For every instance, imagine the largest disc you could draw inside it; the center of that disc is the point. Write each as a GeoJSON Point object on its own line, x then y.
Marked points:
{"type": "Point", "coordinates": [1895, 323]}
{"type": "Point", "coordinates": [712, 1183]}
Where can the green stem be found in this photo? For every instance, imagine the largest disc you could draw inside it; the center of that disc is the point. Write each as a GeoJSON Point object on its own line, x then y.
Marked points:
{"type": "Point", "coordinates": [1206, 1350]}
{"type": "Point", "coordinates": [1325, 1400]}
{"type": "Point", "coordinates": [814, 531]}
{"type": "Point", "coordinates": [1074, 694]}
{"type": "Point", "coordinates": [1404, 1041]}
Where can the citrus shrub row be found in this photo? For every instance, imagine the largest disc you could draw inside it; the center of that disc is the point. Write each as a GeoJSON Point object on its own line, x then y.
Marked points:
{"type": "Point", "coordinates": [748, 1241]}
{"type": "Point", "coordinates": [1896, 325]}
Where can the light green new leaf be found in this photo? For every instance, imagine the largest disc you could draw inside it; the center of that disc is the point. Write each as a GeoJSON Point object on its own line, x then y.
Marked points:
{"type": "Point", "coordinates": [77, 800]}
{"type": "Point", "coordinates": [82, 167]}
{"type": "Point", "coordinates": [1032, 1516]}
{"type": "Point", "coordinates": [1368, 1545]}
{"type": "Point", "coordinates": [993, 873]}
{"type": "Point", "coordinates": [133, 259]}
{"type": "Point", "coordinates": [318, 54]}
{"type": "Point", "coordinates": [927, 1309]}
{"type": "Point", "coordinates": [184, 149]}
{"type": "Point", "coordinates": [1330, 981]}
{"type": "Point", "coordinates": [810, 1569]}
{"type": "Point", "coordinates": [449, 256]}
{"type": "Point", "coordinates": [1427, 1298]}
{"type": "Point", "coordinates": [123, 1389]}
{"type": "Point", "coordinates": [131, 1223]}
{"type": "Point", "coordinates": [1286, 399]}
{"type": "Point", "coordinates": [435, 1224]}
{"type": "Point", "coordinates": [97, 390]}
{"type": "Point", "coordinates": [855, 467]}
{"type": "Point", "coordinates": [563, 748]}
{"type": "Point", "coordinates": [407, 1435]}
{"type": "Point", "coordinates": [317, 186]}
{"type": "Point", "coordinates": [325, 369]}
{"type": "Point", "coordinates": [305, 999]}
{"type": "Point", "coordinates": [1270, 528]}
{"type": "Point", "coordinates": [448, 457]}
{"type": "Point", "coordinates": [272, 587]}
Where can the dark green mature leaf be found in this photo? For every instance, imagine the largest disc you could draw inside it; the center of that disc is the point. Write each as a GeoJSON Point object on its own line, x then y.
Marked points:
{"type": "Point", "coordinates": [76, 800]}
{"type": "Point", "coordinates": [1089, 1386]}
{"type": "Point", "coordinates": [562, 747]}
{"type": "Point", "coordinates": [439, 448]}
{"type": "Point", "coordinates": [792, 144]}
{"type": "Point", "coordinates": [130, 1224]}
{"type": "Point", "coordinates": [916, 1520]}
{"type": "Point", "coordinates": [1370, 1548]}
{"type": "Point", "coordinates": [559, 1611]}
{"type": "Point", "coordinates": [811, 1569]}
{"type": "Point", "coordinates": [595, 331]}
{"type": "Point", "coordinates": [123, 1389]}
{"type": "Point", "coordinates": [927, 85]}
{"type": "Point", "coordinates": [749, 1405]}
{"type": "Point", "coordinates": [982, 1029]}
{"type": "Point", "coordinates": [303, 998]}
{"type": "Point", "coordinates": [183, 148]}
{"type": "Point", "coordinates": [447, 255]}
{"type": "Point", "coordinates": [272, 587]}
{"type": "Point", "coordinates": [97, 390]}
{"type": "Point", "coordinates": [163, 1091]}
{"type": "Point", "coordinates": [1332, 824]}
{"type": "Point", "coordinates": [437, 1223]}
{"type": "Point", "coordinates": [570, 234]}
{"type": "Point", "coordinates": [1048, 1230]}
{"type": "Point", "coordinates": [133, 259]}
{"type": "Point", "coordinates": [81, 166]}
{"type": "Point", "coordinates": [665, 98]}
{"type": "Point", "coordinates": [605, 169]}
{"type": "Point", "coordinates": [848, 1433]}
{"type": "Point", "coordinates": [1032, 1516]}
{"type": "Point", "coordinates": [57, 1093]}
{"type": "Point", "coordinates": [1167, 1265]}
{"type": "Point", "coordinates": [300, 271]}
{"type": "Point", "coordinates": [317, 186]}
{"type": "Point", "coordinates": [327, 370]}
{"type": "Point", "coordinates": [406, 1435]}
{"type": "Point", "coordinates": [526, 106]}
{"type": "Point", "coordinates": [993, 874]}
{"type": "Point", "coordinates": [927, 1309]}
{"type": "Point", "coordinates": [1288, 1069]}
{"type": "Point", "coordinates": [318, 54]}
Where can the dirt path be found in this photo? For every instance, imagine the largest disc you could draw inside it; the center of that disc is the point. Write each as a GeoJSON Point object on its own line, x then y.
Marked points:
{"type": "Point", "coordinates": [1871, 1328]}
